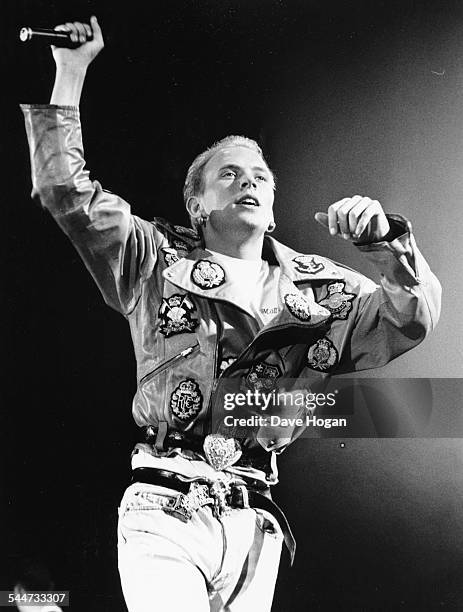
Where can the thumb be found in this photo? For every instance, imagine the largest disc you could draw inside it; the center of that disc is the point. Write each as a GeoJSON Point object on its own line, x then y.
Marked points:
{"type": "Point", "coordinates": [95, 27]}
{"type": "Point", "coordinates": [322, 218]}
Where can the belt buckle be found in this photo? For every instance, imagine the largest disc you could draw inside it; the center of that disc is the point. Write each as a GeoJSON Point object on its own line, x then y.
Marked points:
{"type": "Point", "coordinates": [185, 506]}
{"type": "Point", "coordinates": [221, 452]}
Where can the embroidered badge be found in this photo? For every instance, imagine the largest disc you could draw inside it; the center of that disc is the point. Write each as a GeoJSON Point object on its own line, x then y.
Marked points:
{"type": "Point", "coordinates": [338, 302]}
{"type": "Point", "coordinates": [226, 361]}
{"type": "Point", "coordinates": [186, 231]}
{"type": "Point", "coordinates": [176, 313]}
{"type": "Point", "coordinates": [186, 400]}
{"type": "Point", "coordinates": [322, 355]}
{"type": "Point", "coordinates": [207, 274]}
{"type": "Point", "coordinates": [263, 376]}
{"type": "Point", "coordinates": [298, 305]}
{"type": "Point", "coordinates": [308, 265]}
{"type": "Point", "coordinates": [170, 255]}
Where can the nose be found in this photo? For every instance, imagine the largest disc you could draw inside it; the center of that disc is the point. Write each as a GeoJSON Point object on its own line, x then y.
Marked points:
{"type": "Point", "coordinates": [248, 180]}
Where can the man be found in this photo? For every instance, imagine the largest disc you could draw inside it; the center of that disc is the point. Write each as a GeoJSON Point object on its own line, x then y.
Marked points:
{"type": "Point", "coordinates": [221, 304]}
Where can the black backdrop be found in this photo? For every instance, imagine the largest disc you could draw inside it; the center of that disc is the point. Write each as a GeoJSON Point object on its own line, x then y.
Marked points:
{"type": "Point", "coordinates": [319, 84]}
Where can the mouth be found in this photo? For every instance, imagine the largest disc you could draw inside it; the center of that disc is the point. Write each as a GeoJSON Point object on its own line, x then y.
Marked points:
{"type": "Point", "coordinates": [248, 200]}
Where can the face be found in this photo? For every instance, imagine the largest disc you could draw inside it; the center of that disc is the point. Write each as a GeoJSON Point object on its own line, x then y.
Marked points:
{"type": "Point", "coordinates": [238, 189]}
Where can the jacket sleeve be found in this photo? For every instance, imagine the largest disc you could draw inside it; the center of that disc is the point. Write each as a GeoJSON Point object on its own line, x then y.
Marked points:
{"type": "Point", "coordinates": [118, 248]}
{"type": "Point", "coordinates": [397, 315]}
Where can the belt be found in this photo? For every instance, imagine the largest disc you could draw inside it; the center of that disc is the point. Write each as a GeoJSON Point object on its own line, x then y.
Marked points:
{"type": "Point", "coordinates": [222, 495]}
{"type": "Point", "coordinates": [162, 439]}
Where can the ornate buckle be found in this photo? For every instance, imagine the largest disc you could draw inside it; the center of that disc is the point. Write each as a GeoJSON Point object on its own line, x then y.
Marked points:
{"type": "Point", "coordinates": [221, 452]}
{"type": "Point", "coordinates": [185, 505]}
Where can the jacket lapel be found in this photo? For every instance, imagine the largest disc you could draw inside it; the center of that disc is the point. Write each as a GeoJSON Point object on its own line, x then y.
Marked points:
{"type": "Point", "coordinates": [201, 274]}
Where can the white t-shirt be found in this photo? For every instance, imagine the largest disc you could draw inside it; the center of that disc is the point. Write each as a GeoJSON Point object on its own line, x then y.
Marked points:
{"type": "Point", "coordinates": [258, 280]}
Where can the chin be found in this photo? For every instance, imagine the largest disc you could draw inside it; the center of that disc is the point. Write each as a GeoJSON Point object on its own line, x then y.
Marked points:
{"type": "Point", "coordinates": [245, 221]}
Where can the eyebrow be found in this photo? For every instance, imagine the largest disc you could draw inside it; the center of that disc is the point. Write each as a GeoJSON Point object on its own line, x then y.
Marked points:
{"type": "Point", "coordinates": [235, 167]}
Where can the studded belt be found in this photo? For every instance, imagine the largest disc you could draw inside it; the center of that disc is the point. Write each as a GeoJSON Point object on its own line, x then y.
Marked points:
{"type": "Point", "coordinates": [222, 495]}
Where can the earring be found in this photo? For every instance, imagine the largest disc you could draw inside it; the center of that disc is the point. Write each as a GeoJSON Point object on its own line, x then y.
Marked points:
{"type": "Point", "coordinates": [202, 220]}
{"type": "Point", "coordinates": [271, 227]}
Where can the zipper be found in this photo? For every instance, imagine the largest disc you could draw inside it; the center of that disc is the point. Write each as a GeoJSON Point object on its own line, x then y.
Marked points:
{"type": "Point", "coordinates": [165, 364]}
{"type": "Point", "coordinates": [260, 335]}
{"type": "Point", "coordinates": [219, 331]}
{"type": "Point", "coordinates": [247, 350]}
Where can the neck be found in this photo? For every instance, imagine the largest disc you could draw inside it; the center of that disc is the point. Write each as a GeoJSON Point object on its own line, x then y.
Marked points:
{"type": "Point", "coordinates": [249, 247]}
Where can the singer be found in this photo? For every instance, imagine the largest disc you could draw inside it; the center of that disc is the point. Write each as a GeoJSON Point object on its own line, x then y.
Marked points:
{"type": "Point", "coordinates": [198, 529]}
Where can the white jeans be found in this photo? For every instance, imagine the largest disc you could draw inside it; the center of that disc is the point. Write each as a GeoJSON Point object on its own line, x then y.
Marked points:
{"type": "Point", "coordinates": [204, 565]}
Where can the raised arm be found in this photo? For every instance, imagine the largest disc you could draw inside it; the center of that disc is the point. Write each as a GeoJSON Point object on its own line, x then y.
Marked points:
{"type": "Point", "coordinates": [118, 248]}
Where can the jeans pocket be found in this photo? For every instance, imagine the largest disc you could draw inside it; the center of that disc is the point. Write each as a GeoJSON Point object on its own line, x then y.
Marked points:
{"type": "Point", "coordinates": [144, 498]}
{"type": "Point", "coordinates": [142, 509]}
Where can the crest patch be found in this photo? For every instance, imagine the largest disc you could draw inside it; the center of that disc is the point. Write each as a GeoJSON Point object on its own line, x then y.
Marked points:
{"type": "Point", "coordinates": [263, 376]}
{"type": "Point", "coordinates": [207, 274]}
{"type": "Point", "coordinates": [322, 355]}
{"type": "Point", "coordinates": [298, 305]}
{"type": "Point", "coordinates": [337, 301]}
{"type": "Point", "coordinates": [176, 313]}
{"type": "Point", "coordinates": [186, 400]}
{"type": "Point", "coordinates": [308, 265]}
{"type": "Point", "coordinates": [170, 255]}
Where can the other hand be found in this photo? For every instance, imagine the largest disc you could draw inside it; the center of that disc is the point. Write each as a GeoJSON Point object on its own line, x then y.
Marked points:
{"type": "Point", "coordinates": [358, 219]}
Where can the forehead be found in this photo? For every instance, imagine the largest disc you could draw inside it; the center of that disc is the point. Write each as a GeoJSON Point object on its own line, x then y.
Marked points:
{"type": "Point", "coordinates": [234, 156]}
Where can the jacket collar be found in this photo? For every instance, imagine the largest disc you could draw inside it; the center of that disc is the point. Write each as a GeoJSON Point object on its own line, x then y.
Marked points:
{"type": "Point", "coordinates": [301, 267]}
{"type": "Point", "coordinates": [201, 273]}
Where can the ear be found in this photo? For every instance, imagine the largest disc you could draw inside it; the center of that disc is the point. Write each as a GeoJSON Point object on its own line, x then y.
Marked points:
{"type": "Point", "coordinates": [194, 207]}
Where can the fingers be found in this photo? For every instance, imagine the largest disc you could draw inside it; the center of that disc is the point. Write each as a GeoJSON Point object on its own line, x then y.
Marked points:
{"type": "Point", "coordinates": [364, 220]}
{"type": "Point", "coordinates": [82, 32]}
{"type": "Point", "coordinates": [350, 217]}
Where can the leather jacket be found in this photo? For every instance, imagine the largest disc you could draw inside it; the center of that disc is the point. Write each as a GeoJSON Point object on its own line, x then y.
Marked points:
{"type": "Point", "coordinates": [175, 295]}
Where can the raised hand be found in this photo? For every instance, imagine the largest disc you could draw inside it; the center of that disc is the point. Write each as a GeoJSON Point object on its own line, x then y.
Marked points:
{"type": "Point", "coordinates": [81, 56]}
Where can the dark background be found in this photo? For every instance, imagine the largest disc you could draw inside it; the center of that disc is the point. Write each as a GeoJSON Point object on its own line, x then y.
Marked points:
{"type": "Point", "coordinates": [346, 97]}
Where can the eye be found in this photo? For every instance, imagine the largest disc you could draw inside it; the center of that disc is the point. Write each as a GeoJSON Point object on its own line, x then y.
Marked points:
{"type": "Point", "coordinates": [228, 174]}
{"type": "Point", "coordinates": [261, 177]}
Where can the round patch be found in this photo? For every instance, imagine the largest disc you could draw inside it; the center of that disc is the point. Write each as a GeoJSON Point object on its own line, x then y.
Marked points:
{"type": "Point", "coordinates": [186, 400]}
{"type": "Point", "coordinates": [298, 305]}
{"type": "Point", "coordinates": [337, 301]}
{"type": "Point", "coordinates": [207, 274]}
{"type": "Point", "coordinates": [322, 355]}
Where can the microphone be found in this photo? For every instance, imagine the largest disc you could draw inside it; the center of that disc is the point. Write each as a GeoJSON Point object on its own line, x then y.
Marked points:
{"type": "Point", "coordinates": [49, 37]}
